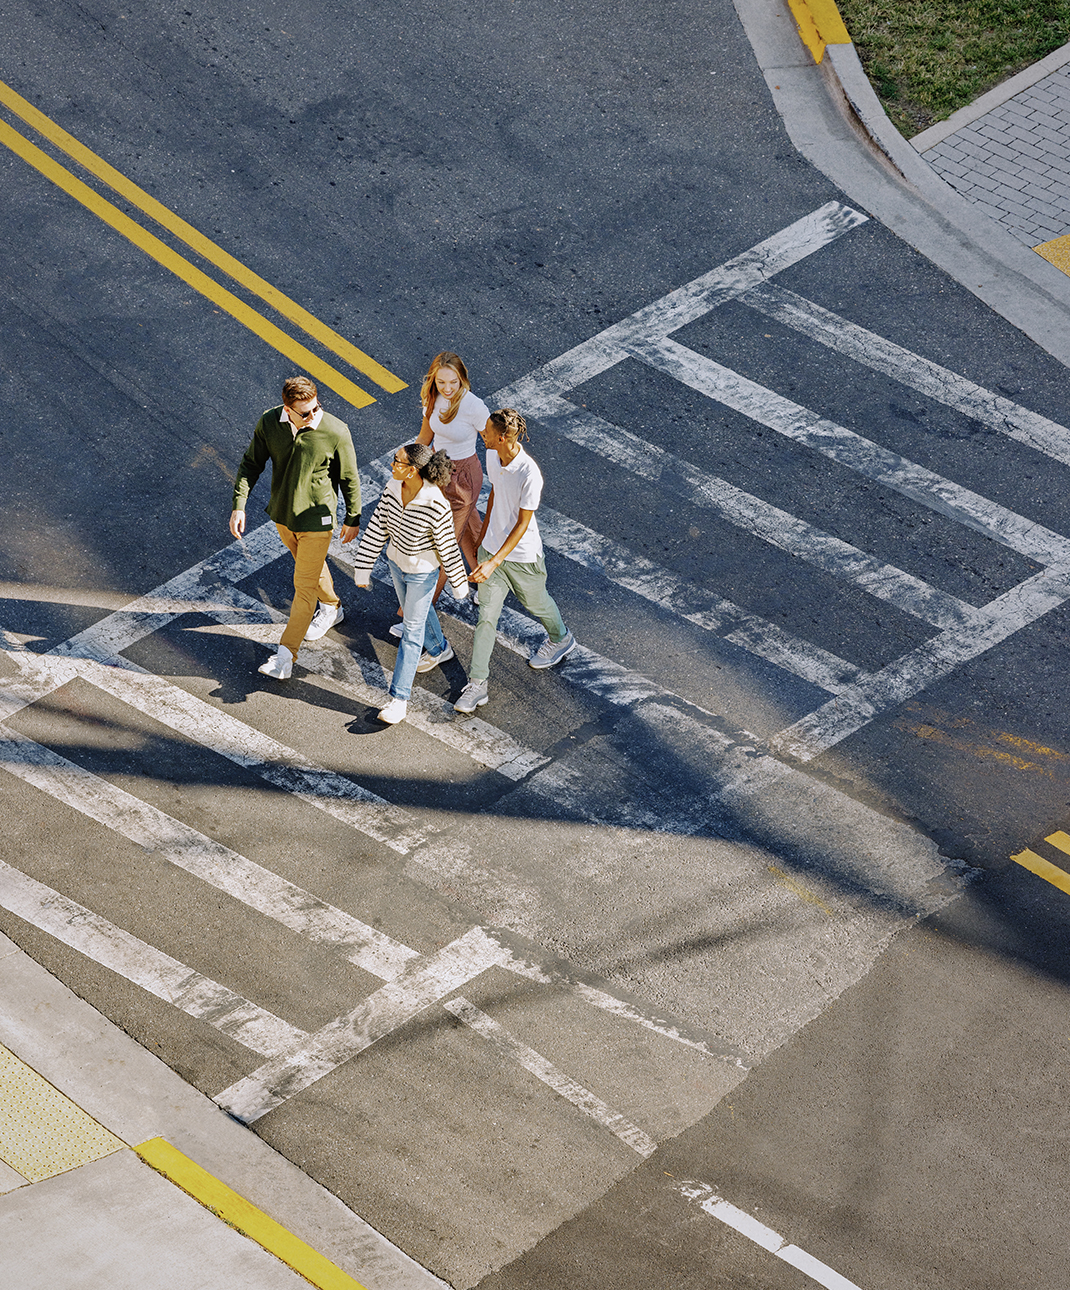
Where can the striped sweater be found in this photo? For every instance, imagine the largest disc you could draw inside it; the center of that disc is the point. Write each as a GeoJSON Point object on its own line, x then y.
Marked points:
{"type": "Point", "coordinates": [420, 535]}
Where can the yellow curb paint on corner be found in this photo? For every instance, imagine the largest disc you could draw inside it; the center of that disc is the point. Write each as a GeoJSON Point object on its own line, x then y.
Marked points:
{"type": "Point", "coordinates": [1056, 252]}
{"type": "Point", "coordinates": [819, 24]}
{"type": "Point", "coordinates": [202, 245]}
{"type": "Point", "coordinates": [243, 1215]}
{"type": "Point", "coordinates": [1044, 869]}
{"type": "Point", "coordinates": [183, 269]}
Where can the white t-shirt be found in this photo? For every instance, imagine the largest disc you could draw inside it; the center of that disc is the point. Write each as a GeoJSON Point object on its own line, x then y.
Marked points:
{"type": "Point", "coordinates": [516, 486]}
{"type": "Point", "coordinates": [459, 436]}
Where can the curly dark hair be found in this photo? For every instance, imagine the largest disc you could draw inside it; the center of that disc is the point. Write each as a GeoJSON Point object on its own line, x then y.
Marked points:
{"type": "Point", "coordinates": [435, 467]}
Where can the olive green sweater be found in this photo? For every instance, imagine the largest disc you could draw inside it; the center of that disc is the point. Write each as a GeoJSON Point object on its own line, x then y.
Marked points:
{"type": "Point", "coordinates": [307, 472]}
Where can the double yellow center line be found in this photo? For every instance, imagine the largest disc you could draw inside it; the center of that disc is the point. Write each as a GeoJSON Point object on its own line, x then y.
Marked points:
{"type": "Point", "coordinates": [318, 369]}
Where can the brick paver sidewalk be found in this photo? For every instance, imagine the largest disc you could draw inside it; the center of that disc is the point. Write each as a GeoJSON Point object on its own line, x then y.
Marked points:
{"type": "Point", "coordinates": [1009, 152]}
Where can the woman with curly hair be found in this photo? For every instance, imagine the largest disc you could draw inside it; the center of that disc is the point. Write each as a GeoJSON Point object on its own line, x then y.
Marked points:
{"type": "Point", "coordinates": [414, 517]}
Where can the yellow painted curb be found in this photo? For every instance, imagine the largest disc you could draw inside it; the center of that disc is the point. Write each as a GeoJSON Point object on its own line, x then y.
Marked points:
{"type": "Point", "coordinates": [1044, 869]}
{"type": "Point", "coordinates": [819, 24]}
{"type": "Point", "coordinates": [244, 1216]}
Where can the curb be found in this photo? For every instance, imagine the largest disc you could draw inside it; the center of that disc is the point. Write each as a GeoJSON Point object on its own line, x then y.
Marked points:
{"type": "Point", "coordinates": [244, 1216]}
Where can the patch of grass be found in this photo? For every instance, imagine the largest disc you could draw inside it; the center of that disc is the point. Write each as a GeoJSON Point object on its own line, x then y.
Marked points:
{"type": "Point", "coordinates": [926, 58]}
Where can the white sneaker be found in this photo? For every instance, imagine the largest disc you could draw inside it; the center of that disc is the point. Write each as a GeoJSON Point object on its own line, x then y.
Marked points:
{"type": "Point", "coordinates": [428, 661]}
{"type": "Point", "coordinates": [397, 629]}
{"type": "Point", "coordinates": [394, 712]}
{"type": "Point", "coordinates": [325, 617]}
{"type": "Point", "coordinates": [279, 666]}
{"type": "Point", "coordinates": [473, 696]}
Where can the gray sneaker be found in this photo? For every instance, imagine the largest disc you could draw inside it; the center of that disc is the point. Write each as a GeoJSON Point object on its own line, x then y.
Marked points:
{"type": "Point", "coordinates": [473, 696]}
{"type": "Point", "coordinates": [548, 653]}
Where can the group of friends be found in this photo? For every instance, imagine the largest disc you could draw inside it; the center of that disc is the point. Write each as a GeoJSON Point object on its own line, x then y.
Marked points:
{"type": "Point", "coordinates": [427, 518]}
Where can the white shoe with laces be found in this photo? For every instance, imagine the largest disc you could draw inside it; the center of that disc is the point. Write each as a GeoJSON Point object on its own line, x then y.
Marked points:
{"type": "Point", "coordinates": [394, 712]}
{"type": "Point", "coordinates": [325, 617]}
{"type": "Point", "coordinates": [279, 666]}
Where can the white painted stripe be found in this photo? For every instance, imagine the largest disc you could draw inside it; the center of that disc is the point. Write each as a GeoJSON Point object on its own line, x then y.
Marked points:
{"type": "Point", "coordinates": [710, 1203]}
{"type": "Point", "coordinates": [117, 631]}
{"type": "Point", "coordinates": [150, 968]}
{"type": "Point", "coordinates": [695, 604]}
{"type": "Point", "coordinates": [685, 304]}
{"type": "Point", "coordinates": [425, 981]}
{"type": "Point", "coordinates": [798, 538]}
{"type": "Point", "coordinates": [867, 458]}
{"type": "Point", "coordinates": [202, 857]}
{"type": "Point", "coordinates": [858, 705]}
{"type": "Point", "coordinates": [245, 746]}
{"type": "Point", "coordinates": [509, 1046]}
{"type": "Point", "coordinates": [921, 374]}
{"type": "Point", "coordinates": [597, 998]}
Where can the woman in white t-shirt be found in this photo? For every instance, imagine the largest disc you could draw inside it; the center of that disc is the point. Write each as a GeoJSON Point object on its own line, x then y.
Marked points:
{"type": "Point", "coordinates": [453, 419]}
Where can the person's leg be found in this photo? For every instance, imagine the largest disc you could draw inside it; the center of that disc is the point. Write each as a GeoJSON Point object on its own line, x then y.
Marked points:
{"type": "Point", "coordinates": [414, 591]}
{"type": "Point", "coordinates": [528, 582]}
{"type": "Point", "coordinates": [492, 595]}
{"type": "Point", "coordinates": [310, 554]}
{"type": "Point", "coordinates": [462, 493]}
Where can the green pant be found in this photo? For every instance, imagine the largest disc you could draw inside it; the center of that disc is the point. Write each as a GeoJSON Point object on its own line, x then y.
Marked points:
{"type": "Point", "coordinates": [528, 583]}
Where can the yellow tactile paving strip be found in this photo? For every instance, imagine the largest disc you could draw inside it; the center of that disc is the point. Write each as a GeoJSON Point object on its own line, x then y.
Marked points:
{"type": "Point", "coordinates": [1056, 252]}
{"type": "Point", "coordinates": [43, 1133]}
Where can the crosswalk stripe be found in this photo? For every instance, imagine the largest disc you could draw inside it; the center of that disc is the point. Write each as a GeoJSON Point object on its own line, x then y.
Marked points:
{"type": "Point", "coordinates": [912, 370]}
{"type": "Point", "coordinates": [242, 744]}
{"type": "Point", "coordinates": [779, 528]}
{"type": "Point", "coordinates": [201, 856]}
{"type": "Point", "coordinates": [856, 706]}
{"type": "Point", "coordinates": [364, 680]}
{"type": "Point", "coordinates": [686, 304]}
{"type": "Point", "coordinates": [844, 446]}
{"type": "Point", "coordinates": [426, 980]}
{"type": "Point", "coordinates": [694, 604]}
{"type": "Point", "coordinates": [131, 958]}
{"type": "Point", "coordinates": [511, 1047]}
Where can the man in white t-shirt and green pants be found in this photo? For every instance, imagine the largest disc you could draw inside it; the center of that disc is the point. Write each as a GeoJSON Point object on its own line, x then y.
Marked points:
{"type": "Point", "coordinates": [510, 555]}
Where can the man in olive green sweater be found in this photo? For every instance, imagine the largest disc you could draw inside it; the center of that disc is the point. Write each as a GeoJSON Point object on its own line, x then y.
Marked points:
{"type": "Point", "coordinates": [312, 460]}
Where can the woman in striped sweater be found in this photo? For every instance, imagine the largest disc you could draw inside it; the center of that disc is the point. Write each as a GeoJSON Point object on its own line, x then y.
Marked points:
{"type": "Point", "coordinates": [414, 517]}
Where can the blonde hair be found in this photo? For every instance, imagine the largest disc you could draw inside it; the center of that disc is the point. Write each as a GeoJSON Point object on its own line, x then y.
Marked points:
{"type": "Point", "coordinates": [429, 390]}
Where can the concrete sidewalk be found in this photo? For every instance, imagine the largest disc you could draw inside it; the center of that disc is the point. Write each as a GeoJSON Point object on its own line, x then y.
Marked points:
{"type": "Point", "coordinates": [114, 1172]}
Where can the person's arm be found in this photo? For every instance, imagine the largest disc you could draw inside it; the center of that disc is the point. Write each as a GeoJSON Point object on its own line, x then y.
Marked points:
{"type": "Point", "coordinates": [349, 487]}
{"type": "Point", "coordinates": [250, 470]}
{"type": "Point", "coordinates": [444, 544]}
{"type": "Point", "coordinates": [373, 541]}
{"type": "Point", "coordinates": [426, 434]}
{"type": "Point", "coordinates": [483, 571]}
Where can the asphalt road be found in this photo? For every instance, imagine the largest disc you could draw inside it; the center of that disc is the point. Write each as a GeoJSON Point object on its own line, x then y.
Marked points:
{"type": "Point", "coordinates": [723, 907]}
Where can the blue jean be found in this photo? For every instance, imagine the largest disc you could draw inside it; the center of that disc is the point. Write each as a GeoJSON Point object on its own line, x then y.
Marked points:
{"type": "Point", "coordinates": [420, 623]}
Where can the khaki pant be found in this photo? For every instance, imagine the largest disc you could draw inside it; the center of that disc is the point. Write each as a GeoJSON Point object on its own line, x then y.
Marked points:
{"type": "Point", "coordinates": [312, 581]}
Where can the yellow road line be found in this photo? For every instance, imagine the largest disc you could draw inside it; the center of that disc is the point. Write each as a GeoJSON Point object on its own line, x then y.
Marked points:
{"type": "Point", "coordinates": [1044, 869]}
{"type": "Point", "coordinates": [202, 245]}
{"type": "Point", "coordinates": [245, 1216]}
{"type": "Point", "coordinates": [182, 268]}
{"type": "Point", "coordinates": [1059, 839]}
